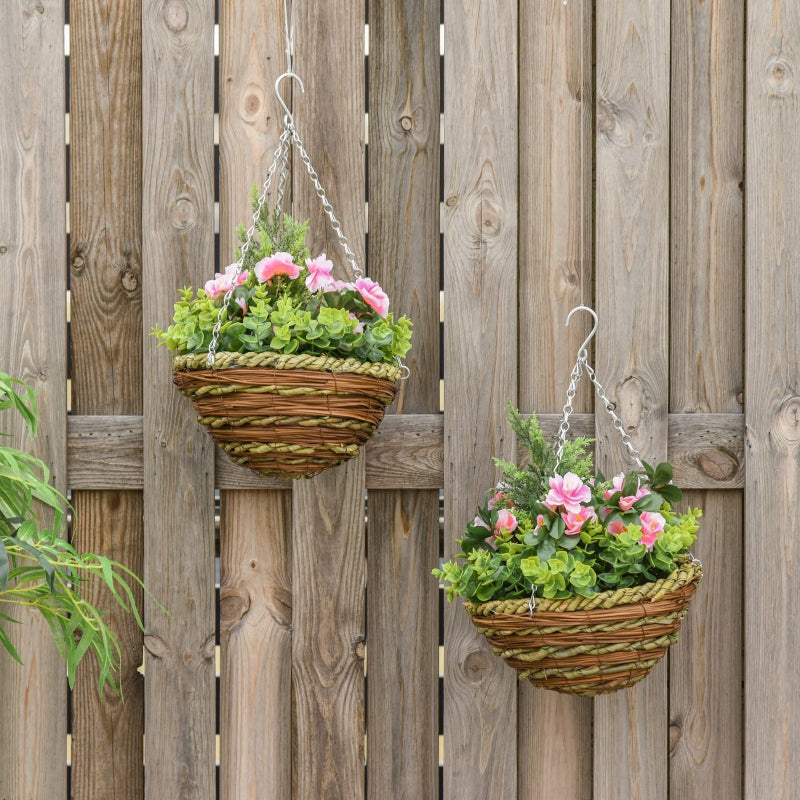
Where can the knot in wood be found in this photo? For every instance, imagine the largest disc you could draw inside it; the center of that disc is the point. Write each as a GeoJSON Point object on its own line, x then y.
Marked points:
{"type": "Point", "coordinates": [3, 249]}
{"type": "Point", "coordinates": [78, 264]}
{"type": "Point", "coordinates": [233, 606]}
{"type": "Point", "coordinates": [477, 664]}
{"type": "Point", "coordinates": [779, 76]}
{"type": "Point", "coordinates": [786, 423]}
{"type": "Point", "coordinates": [718, 464]}
{"type": "Point", "coordinates": [406, 122]}
{"type": "Point", "coordinates": [176, 15]}
{"type": "Point", "coordinates": [184, 214]}
{"type": "Point", "coordinates": [252, 101]}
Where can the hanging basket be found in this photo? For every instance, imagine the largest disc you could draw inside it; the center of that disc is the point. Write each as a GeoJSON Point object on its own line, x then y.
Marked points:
{"type": "Point", "coordinates": [589, 646]}
{"type": "Point", "coordinates": [287, 416]}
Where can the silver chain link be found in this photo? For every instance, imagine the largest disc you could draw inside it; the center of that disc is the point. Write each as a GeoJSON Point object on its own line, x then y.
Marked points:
{"type": "Point", "coordinates": [289, 137]}
{"type": "Point", "coordinates": [582, 364]}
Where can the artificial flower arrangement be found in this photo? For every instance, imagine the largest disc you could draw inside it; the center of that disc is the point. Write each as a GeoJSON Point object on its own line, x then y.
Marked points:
{"type": "Point", "coordinates": [280, 300]}
{"type": "Point", "coordinates": [289, 368]}
{"type": "Point", "coordinates": [556, 537]}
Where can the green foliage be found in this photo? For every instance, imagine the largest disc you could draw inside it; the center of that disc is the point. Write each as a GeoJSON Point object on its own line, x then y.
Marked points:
{"type": "Point", "coordinates": [281, 314]}
{"type": "Point", "coordinates": [558, 530]}
{"type": "Point", "coordinates": [40, 569]}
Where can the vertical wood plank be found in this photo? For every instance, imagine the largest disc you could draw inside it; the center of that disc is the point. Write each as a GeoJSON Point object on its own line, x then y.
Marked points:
{"type": "Point", "coordinates": [772, 312]}
{"type": "Point", "coordinates": [178, 221]}
{"type": "Point", "coordinates": [480, 283]}
{"type": "Point", "coordinates": [706, 375]}
{"type": "Point", "coordinates": [555, 240]}
{"type": "Point", "coordinates": [33, 349]}
{"type": "Point", "coordinates": [402, 543]}
{"type": "Point", "coordinates": [632, 215]}
{"type": "Point", "coordinates": [255, 632]}
{"type": "Point", "coordinates": [255, 527]}
{"type": "Point", "coordinates": [328, 560]}
{"type": "Point", "coordinates": [106, 332]}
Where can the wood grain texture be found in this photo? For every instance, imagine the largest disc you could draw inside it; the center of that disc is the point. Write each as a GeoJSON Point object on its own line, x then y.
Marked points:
{"type": "Point", "coordinates": [106, 336]}
{"type": "Point", "coordinates": [706, 375]}
{"type": "Point", "coordinates": [178, 220]}
{"type": "Point", "coordinates": [480, 349]}
{"type": "Point", "coordinates": [328, 560]}
{"type": "Point", "coordinates": [328, 652]}
{"type": "Point", "coordinates": [772, 389]}
{"type": "Point", "coordinates": [256, 645]}
{"type": "Point", "coordinates": [555, 275]}
{"type": "Point", "coordinates": [33, 349]}
{"type": "Point", "coordinates": [403, 256]}
{"type": "Point", "coordinates": [632, 224]}
{"type": "Point", "coordinates": [255, 526]}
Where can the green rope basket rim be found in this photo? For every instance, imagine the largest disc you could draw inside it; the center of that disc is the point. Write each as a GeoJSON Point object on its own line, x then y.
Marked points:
{"type": "Point", "coordinates": [271, 360]}
{"type": "Point", "coordinates": [690, 571]}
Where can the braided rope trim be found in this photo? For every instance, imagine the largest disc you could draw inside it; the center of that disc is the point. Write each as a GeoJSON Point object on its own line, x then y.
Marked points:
{"type": "Point", "coordinates": [226, 360]}
{"type": "Point", "coordinates": [686, 575]}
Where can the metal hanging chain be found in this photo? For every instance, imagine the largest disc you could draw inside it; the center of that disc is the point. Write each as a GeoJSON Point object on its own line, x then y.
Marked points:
{"type": "Point", "coordinates": [289, 137]}
{"type": "Point", "coordinates": [581, 364]}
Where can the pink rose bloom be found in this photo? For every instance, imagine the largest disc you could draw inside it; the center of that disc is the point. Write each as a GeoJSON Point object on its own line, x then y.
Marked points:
{"type": "Point", "coordinates": [575, 521]}
{"type": "Point", "coordinates": [242, 304]}
{"type": "Point", "coordinates": [616, 527]}
{"type": "Point", "coordinates": [276, 264]}
{"type": "Point", "coordinates": [319, 274]}
{"type": "Point", "coordinates": [223, 281]}
{"type": "Point", "coordinates": [540, 523]}
{"type": "Point", "coordinates": [373, 295]}
{"type": "Point", "coordinates": [568, 491]}
{"type": "Point", "coordinates": [505, 519]}
{"type": "Point", "coordinates": [652, 524]}
{"type": "Point", "coordinates": [498, 496]}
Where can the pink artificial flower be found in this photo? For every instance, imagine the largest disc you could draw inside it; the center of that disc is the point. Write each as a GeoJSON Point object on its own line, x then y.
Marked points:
{"type": "Point", "coordinates": [478, 522]}
{"type": "Point", "coordinates": [568, 491]}
{"type": "Point", "coordinates": [223, 281]}
{"type": "Point", "coordinates": [276, 264]}
{"type": "Point", "coordinates": [652, 524]}
{"type": "Point", "coordinates": [373, 295]}
{"type": "Point", "coordinates": [358, 328]}
{"type": "Point", "coordinates": [319, 274]}
{"type": "Point", "coordinates": [575, 521]}
{"type": "Point", "coordinates": [625, 503]}
{"type": "Point", "coordinates": [242, 304]}
{"type": "Point", "coordinates": [498, 496]}
{"type": "Point", "coordinates": [505, 520]}
{"type": "Point", "coordinates": [540, 521]}
{"type": "Point", "coordinates": [616, 527]}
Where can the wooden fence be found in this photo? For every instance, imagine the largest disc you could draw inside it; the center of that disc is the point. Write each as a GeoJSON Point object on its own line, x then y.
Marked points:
{"type": "Point", "coordinates": [579, 151]}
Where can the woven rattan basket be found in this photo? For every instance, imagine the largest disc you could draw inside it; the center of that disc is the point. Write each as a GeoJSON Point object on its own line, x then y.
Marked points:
{"type": "Point", "coordinates": [589, 646]}
{"type": "Point", "coordinates": [287, 416]}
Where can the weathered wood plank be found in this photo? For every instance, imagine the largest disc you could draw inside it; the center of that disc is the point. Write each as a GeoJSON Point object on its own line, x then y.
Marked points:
{"type": "Point", "coordinates": [255, 526]}
{"type": "Point", "coordinates": [328, 510]}
{"type": "Point", "coordinates": [772, 389]}
{"type": "Point", "coordinates": [106, 335]}
{"type": "Point", "coordinates": [33, 349]}
{"type": "Point", "coordinates": [407, 452]}
{"type": "Point", "coordinates": [706, 375]}
{"type": "Point", "coordinates": [178, 250]}
{"type": "Point", "coordinates": [555, 275]}
{"type": "Point", "coordinates": [255, 620]}
{"type": "Point", "coordinates": [480, 286]}
{"type": "Point", "coordinates": [402, 596]}
{"type": "Point", "coordinates": [632, 290]}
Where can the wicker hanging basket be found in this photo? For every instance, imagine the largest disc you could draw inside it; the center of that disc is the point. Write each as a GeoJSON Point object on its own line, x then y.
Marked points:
{"type": "Point", "coordinates": [287, 416]}
{"type": "Point", "coordinates": [589, 646]}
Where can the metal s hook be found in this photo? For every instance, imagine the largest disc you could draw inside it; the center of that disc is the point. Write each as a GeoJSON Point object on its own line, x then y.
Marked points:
{"type": "Point", "coordinates": [288, 74]}
{"type": "Point", "coordinates": [582, 351]}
